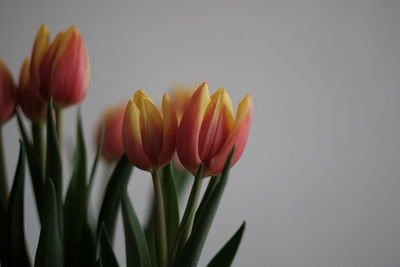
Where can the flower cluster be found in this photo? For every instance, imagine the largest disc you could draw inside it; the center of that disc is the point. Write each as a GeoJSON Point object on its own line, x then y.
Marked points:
{"type": "Point", "coordinates": [206, 134]}
{"type": "Point", "coordinates": [58, 69]}
{"type": "Point", "coordinates": [191, 131]}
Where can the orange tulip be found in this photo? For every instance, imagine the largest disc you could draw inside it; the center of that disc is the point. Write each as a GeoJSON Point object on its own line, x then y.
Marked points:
{"type": "Point", "coordinates": [112, 144]}
{"type": "Point", "coordinates": [64, 71]}
{"type": "Point", "coordinates": [149, 137]}
{"type": "Point", "coordinates": [7, 93]}
{"type": "Point", "coordinates": [208, 130]}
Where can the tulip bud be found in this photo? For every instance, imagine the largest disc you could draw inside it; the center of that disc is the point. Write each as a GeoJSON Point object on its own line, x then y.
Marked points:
{"type": "Point", "coordinates": [149, 138]}
{"type": "Point", "coordinates": [7, 93]}
{"type": "Point", "coordinates": [208, 130]}
{"type": "Point", "coordinates": [31, 103]}
{"type": "Point", "coordinates": [64, 71]}
{"type": "Point", "coordinates": [112, 144]}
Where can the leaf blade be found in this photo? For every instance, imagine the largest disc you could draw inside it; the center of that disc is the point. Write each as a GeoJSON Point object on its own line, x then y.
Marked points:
{"type": "Point", "coordinates": [50, 248]}
{"type": "Point", "coordinates": [17, 245]}
{"type": "Point", "coordinates": [137, 252]}
{"type": "Point", "coordinates": [226, 255]}
{"type": "Point", "coordinates": [115, 188]}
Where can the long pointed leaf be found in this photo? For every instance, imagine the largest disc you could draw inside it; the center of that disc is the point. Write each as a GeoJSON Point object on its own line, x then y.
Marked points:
{"type": "Point", "coordinates": [171, 205]}
{"type": "Point", "coordinates": [115, 188]}
{"type": "Point", "coordinates": [54, 162]}
{"type": "Point", "coordinates": [137, 252]}
{"type": "Point", "coordinates": [225, 256]}
{"type": "Point", "coordinates": [17, 254]}
{"type": "Point", "coordinates": [189, 212]}
{"type": "Point", "coordinates": [34, 167]}
{"type": "Point", "coordinates": [76, 202]}
{"type": "Point", "coordinates": [106, 254]}
{"type": "Point", "coordinates": [192, 250]}
{"type": "Point", "coordinates": [49, 252]}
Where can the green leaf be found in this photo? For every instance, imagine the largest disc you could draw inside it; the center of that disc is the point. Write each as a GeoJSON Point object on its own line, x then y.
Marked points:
{"type": "Point", "coordinates": [171, 205]}
{"type": "Point", "coordinates": [54, 162]}
{"type": "Point", "coordinates": [115, 188]}
{"type": "Point", "coordinates": [225, 256]}
{"type": "Point", "coordinates": [87, 248]}
{"type": "Point", "coordinates": [49, 252]}
{"type": "Point", "coordinates": [96, 159]}
{"type": "Point", "coordinates": [137, 252]}
{"type": "Point", "coordinates": [188, 214]}
{"type": "Point", "coordinates": [34, 167]}
{"type": "Point", "coordinates": [76, 202]}
{"type": "Point", "coordinates": [191, 252]}
{"type": "Point", "coordinates": [17, 252]}
{"type": "Point", "coordinates": [106, 254]}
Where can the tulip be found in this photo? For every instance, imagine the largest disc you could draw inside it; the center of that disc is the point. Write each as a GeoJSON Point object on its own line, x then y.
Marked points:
{"type": "Point", "coordinates": [31, 103]}
{"type": "Point", "coordinates": [7, 93]}
{"type": "Point", "coordinates": [208, 130]}
{"type": "Point", "coordinates": [112, 144]}
{"type": "Point", "coordinates": [148, 137]}
{"type": "Point", "coordinates": [29, 98]}
{"type": "Point", "coordinates": [64, 70]}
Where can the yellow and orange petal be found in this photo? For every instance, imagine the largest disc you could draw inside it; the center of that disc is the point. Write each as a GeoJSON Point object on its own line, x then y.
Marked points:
{"type": "Point", "coordinates": [208, 130]}
{"type": "Point", "coordinates": [132, 138]}
{"type": "Point", "coordinates": [238, 137]}
{"type": "Point", "coordinates": [189, 128]}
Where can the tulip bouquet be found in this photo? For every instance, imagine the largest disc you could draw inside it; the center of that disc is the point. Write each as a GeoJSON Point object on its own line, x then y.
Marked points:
{"type": "Point", "coordinates": [191, 134]}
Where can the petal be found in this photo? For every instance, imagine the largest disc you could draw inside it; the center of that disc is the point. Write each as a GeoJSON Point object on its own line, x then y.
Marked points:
{"type": "Point", "coordinates": [42, 43]}
{"type": "Point", "coordinates": [170, 125]}
{"type": "Point", "coordinates": [238, 137]}
{"type": "Point", "coordinates": [69, 74]}
{"type": "Point", "coordinates": [216, 126]}
{"type": "Point", "coordinates": [189, 128]}
{"type": "Point", "coordinates": [47, 64]}
{"type": "Point", "coordinates": [151, 125]}
{"type": "Point", "coordinates": [131, 138]}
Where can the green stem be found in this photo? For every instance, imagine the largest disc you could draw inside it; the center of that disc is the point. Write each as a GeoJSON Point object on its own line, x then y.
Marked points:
{"type": "Point", "coordinates": [38, 144]}
{"type": "Point", "coordinates": [59, 126]}
{"type": "Point", "coordinates": [3, 171]}
{"type": "Point", "coordinates": [196, 191]}
{"type": "Point", "coordinates": [161, 230]}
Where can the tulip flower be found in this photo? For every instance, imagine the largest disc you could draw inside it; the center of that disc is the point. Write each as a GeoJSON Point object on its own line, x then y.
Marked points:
{"type": "Point", "coordinates": [64, 70]}
{"type": "Point", "coordinates": [112, 144]}
{"type": "Point", "coordinates": [7, 93]}
{"type": "Point", "coordinates": [149, 138]}
{"type": "Point", "coordinates": [29, 98]}
{"type": "Point", "coordinates": [31, 103]}
{"type": "Point", "coordinates": [208, 130]}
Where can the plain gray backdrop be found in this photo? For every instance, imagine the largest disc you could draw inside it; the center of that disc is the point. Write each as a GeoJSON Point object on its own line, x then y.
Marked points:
{"type": "Point", "coordinates": [319, 181]}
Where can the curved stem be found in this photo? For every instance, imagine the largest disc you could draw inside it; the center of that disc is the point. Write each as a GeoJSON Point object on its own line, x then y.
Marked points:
{"type": "Point", "coordinates": [3, 171]}
{"type": "Point", "coordinates": [161, 230]}
{"type": "Point", "coordinates": [196, 189]}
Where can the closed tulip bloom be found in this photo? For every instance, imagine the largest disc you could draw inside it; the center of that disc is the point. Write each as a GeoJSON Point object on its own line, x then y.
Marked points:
{"type": "Point", "coordinates": [149, 137]}
{"type": "Point", "coordinates": [31, 103]}
{"type": "Point", "coordinates": [64, 70]}
{"type": "Point", "coordinates": [208, 130]}
{"type": "Point", "coordinates": [7, 93]}
{"type": "Point", "coordinates": [112, 143]}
